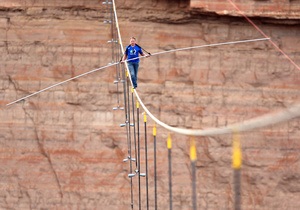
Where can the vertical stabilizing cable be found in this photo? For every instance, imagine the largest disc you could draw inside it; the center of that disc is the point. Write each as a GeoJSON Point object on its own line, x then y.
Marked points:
{"type": "Point", "coordinates": [193, 157]}
{"type": "Point", "coordinates": [155, 172]}
{"type": "Point", "coordinates": [139, 151]}
{"type": "Point", "coordinates": [134, 130]}
{"type": "Point", "coordinates": [169, 145]}
{"type": "Point", "coordinates": [129, 145]}
{"type": "Point", "coordinates": [146, 159]}
{"type": "Point", "coordinates": [236, 165]}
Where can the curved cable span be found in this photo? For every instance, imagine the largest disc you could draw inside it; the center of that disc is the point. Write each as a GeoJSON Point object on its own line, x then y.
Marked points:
{"type": "Point", "coordinates": [259, 122]}
{"type": "Point", "coordinates": [265, 120]}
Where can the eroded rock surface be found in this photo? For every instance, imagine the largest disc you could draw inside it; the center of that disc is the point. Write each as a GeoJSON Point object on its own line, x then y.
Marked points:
{"type": "Point", "coordinates": [63, 148]}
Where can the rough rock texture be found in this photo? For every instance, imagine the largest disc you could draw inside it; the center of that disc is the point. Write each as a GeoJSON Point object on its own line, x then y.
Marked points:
{"type": "Point", "coordinates": [278, 9]}
{"type": "Point", "coordinates": [63, 148]}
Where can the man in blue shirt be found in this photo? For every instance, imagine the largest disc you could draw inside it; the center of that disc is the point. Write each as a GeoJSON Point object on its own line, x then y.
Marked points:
{"type": "Point", "coordinates": [132, 55]}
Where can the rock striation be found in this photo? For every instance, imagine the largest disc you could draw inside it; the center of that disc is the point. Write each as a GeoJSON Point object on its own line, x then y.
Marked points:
{"type": "Point", "coordinates": [63, 148]}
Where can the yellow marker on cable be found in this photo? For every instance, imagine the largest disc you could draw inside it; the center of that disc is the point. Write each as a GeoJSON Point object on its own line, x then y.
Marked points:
{"type": "Point", "coordinates": [154, 130]}
{"type": "Point", "coordinates": [193, 151]}
{"type": "Point", "coordinates": [169, 142]}
{"type": "Point", "coordinates": [145, 117]}
{"type": "Point", "coordinates": [137, 104]}
{"type": "Point", "coordinates": [237, 152]}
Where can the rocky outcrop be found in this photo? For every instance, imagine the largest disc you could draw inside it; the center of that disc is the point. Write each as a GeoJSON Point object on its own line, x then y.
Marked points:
{"type": "Point", "coordinates": [286, 9]}
{"type": "Point", "coordinates": [63, 148]}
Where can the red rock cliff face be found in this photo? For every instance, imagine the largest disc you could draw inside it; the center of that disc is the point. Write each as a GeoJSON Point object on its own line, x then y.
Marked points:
{"type": "Point", "coordinates": [63, 148]}
{"type": "Point", "coordinates": [278, 9]}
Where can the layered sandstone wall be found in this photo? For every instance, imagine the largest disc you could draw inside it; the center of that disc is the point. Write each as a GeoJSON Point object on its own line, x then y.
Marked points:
{"type": "Point", "coordinates": [63, 149]}
{"type": "Point", "coordinates": [278, 9]}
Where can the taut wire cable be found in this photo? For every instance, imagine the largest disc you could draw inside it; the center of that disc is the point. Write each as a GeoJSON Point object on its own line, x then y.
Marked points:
{"type": "Point", "coordinates": [262, 33]}
{"type": "Point", "coordinates": [254, 123]}
{"type": "Point", "coordinates": [60, 83]}
{"type": "Point", "coordinates": [116, 63]}
{"type": "Point", "coordinates": [134, 128]}
{"type": "Point", "coordinates": [146, 160]}
{"type": "Point", "coordinates": [139, 152]}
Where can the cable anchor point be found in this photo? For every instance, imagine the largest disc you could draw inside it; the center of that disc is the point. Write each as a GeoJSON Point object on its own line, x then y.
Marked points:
{"type": "Point", "coordinates": [136, 172]}
{"type": "Point", "coordinates": [129, 158]}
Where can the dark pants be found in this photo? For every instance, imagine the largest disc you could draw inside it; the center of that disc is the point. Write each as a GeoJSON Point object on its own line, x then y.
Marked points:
{"type": "Point", "coordinates": [133, 68]}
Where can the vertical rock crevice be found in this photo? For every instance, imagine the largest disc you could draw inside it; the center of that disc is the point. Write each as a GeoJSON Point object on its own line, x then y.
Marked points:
{"type": "Point", "coordinates": [42, 149]}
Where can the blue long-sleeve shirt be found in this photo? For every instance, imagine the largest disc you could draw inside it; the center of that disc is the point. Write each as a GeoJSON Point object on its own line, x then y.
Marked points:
{"type": "Point", "coordinates": [133, 52]}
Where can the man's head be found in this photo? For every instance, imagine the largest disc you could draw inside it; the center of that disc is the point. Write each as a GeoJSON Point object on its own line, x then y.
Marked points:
{"type": "Point", "coordinates": [132, 41]}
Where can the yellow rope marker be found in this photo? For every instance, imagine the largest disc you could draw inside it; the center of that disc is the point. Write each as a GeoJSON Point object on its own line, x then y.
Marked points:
{"type": "Point", "coordinates": [127, 74]}
{"type": "Point", "coordinates": [145, 117]}
{"type": "Point", "coordinates": [193, 150]}
{"type": "Point", "coordinates": [237, 152]}
{"type": "Point", "coordinates": [169, 142]}
{"type": "Point", "coordinates": [137, 104]}
{"type": "Point", "coordinates": [154, 130]}
{"type": "Point", "coordinates": [132, 89]}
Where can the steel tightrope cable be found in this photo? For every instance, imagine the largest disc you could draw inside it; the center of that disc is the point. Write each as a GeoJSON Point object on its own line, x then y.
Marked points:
{"type": "Point", "coordinates": [117, 38]}
{"type": "Point", "coordinates": [251, 124]}
{"type": "Point", "coordinates": [115, 56]}
{"type": "Point", "coordinates": [122, 72]}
